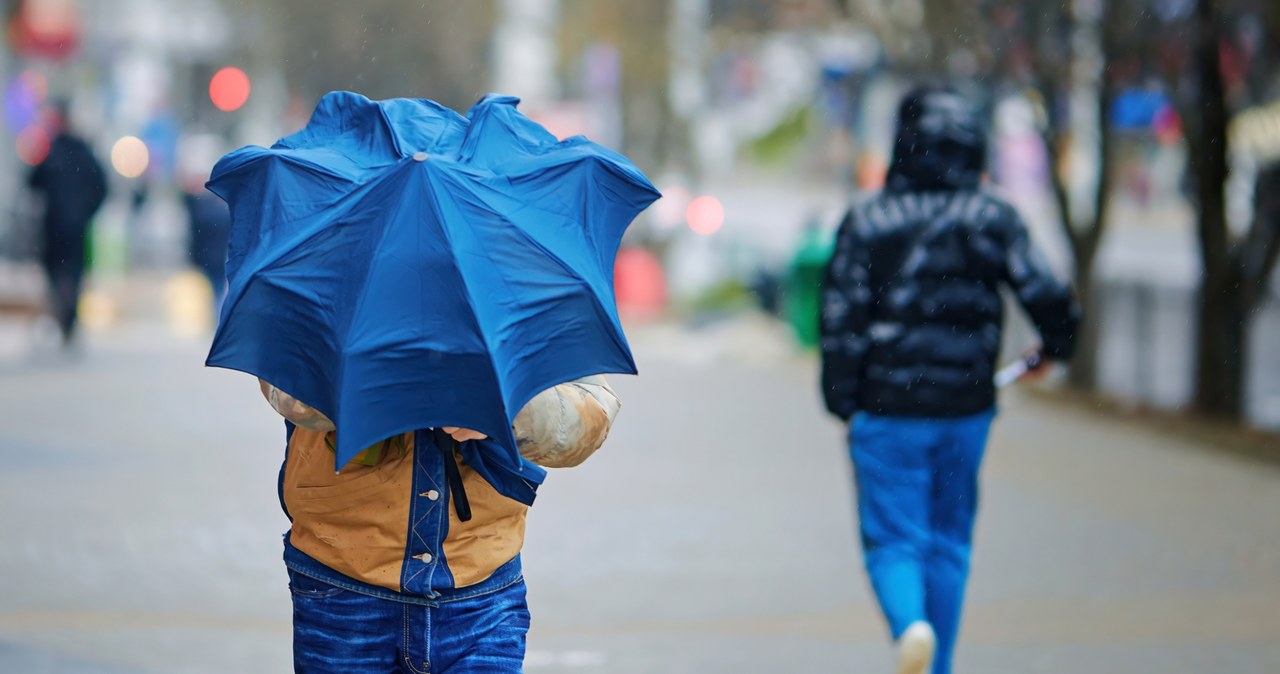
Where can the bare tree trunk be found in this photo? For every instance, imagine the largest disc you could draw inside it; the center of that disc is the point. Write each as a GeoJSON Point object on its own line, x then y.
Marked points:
{"type": "Point", "coordinates": [1083, 371]}
{"type": "Point", "coordinates": [1083, 237]}
{"type": "Point", "coordinates": [1249, 265]}
{"type": "Point", "coordinates": [1083, 374]}
{"type": "Point", "coordinates": [1235, 273]}
{"type": "Point", "coordinates": [1221, 355]}
{"type": "Point", "coordinates": [1259, 252]}
{"type": "Point", "coordinates": [1221, 343]}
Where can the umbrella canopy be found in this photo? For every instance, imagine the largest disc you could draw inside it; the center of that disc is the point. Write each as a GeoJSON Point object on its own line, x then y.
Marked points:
{"type": "Point", "coordinates": [398, 266]}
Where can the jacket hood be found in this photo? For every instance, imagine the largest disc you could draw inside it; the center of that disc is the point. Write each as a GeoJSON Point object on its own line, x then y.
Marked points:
{"type": "Point", "coordinates": [941, 143]}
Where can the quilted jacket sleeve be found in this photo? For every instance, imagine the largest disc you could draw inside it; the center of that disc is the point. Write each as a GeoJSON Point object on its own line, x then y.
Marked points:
{"type": "Point", "coordinates": [846, 316]}
{"type": "Point", "coordinates": [1048, 301]}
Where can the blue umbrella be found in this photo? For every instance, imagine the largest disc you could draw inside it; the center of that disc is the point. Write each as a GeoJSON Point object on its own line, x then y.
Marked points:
{"type": "Point", "coordinates": [398, 266]}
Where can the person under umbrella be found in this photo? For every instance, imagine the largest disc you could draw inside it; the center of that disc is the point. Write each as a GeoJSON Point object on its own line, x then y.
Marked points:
{"type": "Point", "coordinates": [911, 324]}
{"type": "Point", "coordinates": [427, 299]}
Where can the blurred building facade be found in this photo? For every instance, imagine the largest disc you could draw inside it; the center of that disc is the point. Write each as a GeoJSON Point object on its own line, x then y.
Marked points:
{"type": "Point", "coordinates": [755, 118]}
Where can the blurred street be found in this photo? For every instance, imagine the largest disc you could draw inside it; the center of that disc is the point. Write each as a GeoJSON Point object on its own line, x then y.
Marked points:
{"type": "Point", "coordinates": [1137, 140]}
{"type": "Point", "coordinates": [713, 533]}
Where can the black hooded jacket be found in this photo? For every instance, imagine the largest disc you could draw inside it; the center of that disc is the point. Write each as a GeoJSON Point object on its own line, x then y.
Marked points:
{"type": "Point", "coordinates": [912, 312]}
{"type": "Point", "coordinates": [74, 187]}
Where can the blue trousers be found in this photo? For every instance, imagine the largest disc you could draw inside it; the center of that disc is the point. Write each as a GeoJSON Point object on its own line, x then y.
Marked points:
{"type": "Point", "coordinates": [338, 631]}
{"type": "Point", "coordinates": [917, 486]}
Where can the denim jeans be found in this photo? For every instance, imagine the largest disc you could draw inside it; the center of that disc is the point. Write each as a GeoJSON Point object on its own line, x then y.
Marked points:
{"type": "Point", "coordinates": [917, 483]}
{"type": "Point", "coordinates": [340, 631]}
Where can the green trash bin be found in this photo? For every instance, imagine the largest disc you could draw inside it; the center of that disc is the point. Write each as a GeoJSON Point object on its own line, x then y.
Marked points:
{"type": "Point", "coordinates": [804, 284]}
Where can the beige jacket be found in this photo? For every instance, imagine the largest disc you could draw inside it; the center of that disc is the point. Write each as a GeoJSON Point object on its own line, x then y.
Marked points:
{"type": "Point", "coordinates": [356, 521]}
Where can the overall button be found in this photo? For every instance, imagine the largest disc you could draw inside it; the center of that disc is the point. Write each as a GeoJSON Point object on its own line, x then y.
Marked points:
{"type": "Point", "coordinates": [426, 557]}
{"type": "Point", "coordinates": [430, 495]}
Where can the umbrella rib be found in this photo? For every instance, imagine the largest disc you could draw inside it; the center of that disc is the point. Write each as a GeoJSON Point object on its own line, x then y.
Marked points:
{"type": "Point", "coordinates": [457, 265]}
{"type": "Point", "coordinates": [595, 300]}
{"type": "Point", "coordinates": [564, 266]}
{"type": "Point", "coordinates": [297, 240]}
{"type": "Point", "coordinates": [364, 282]}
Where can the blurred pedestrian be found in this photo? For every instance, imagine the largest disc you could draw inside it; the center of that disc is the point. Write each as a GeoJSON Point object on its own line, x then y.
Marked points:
{"type": "Point", "coordinates": [911, 328]}
{"type": "Point", "coordinates": [209, 222]}
{"type": "Point", "coordinates": [73, 187]}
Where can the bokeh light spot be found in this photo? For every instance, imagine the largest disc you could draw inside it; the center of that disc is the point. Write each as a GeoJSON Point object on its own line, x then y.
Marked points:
{"type": "Point", "coordinates": [669, 211]}
{"type": "Point", "coordinates": [639, 283]}
{"type": "Point", "coordinates": [705, 215]}
{"type": "Point", "coordinates": [229, 89]}
{"type": "Point", "coordinates": [36, 83]}
{"type": "Point", "coordinates": [129, 157]}
{"type": "Point", "coordinates": [22, 99]}
{"type": "Point", "coordinates": [33, 145]}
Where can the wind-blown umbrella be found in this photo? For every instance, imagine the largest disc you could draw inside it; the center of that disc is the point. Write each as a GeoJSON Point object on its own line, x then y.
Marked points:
{"type": "Point", "coordinates": [398, 266]}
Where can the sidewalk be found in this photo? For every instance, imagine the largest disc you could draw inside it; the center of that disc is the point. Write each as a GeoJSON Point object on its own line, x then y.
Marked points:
{"type": "Point", "coordinates": [180, 299]}
{"type": "Point", "coordinates": [713, 533]}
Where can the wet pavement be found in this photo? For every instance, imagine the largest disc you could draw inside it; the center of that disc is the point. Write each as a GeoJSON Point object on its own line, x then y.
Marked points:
{"type": "Point", "coordinates": [713, 533]}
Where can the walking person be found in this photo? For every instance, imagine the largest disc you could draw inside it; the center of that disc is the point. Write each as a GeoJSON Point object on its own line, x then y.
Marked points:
{"type": "Point", "coordinates": [385, 575]}
{"type": "Point", "coordinates": [73, 187]}
{"type": "Point", "coordinates": [911, 329]}
{"type": "Point", "coordinates": [209, 229]}
{"type": "Point", "coordinates": [400, 274]}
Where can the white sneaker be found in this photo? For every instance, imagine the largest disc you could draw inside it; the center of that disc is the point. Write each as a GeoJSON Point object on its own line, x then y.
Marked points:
{"type": "Point", "coordinates": [915, 648]}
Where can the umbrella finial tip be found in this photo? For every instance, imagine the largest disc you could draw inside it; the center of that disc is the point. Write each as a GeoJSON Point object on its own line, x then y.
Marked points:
{"type": "Point", "coordinates": [420, 156]}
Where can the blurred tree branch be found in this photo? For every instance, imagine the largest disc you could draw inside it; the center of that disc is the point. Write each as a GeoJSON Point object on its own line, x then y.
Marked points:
{"type": "Point", "coordinates": [382, 48]}
{"type": "Point", "coordinates": [638, 30]}
{"type": "Point", "coordinates": [1057, 36]}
